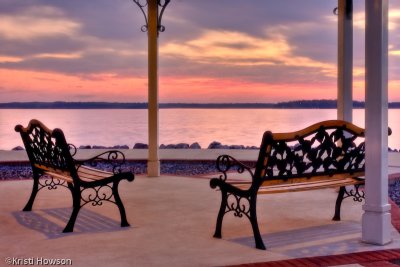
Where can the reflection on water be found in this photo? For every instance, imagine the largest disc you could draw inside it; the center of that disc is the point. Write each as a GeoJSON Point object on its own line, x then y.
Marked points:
{"type": "Point", "coordinates": [109, 127]}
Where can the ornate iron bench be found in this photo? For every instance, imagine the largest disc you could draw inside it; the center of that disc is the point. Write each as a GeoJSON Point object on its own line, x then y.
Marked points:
{"type": "Point", "coordinates": [326, 154]}
{"type": "Point", "coordinates": [50, 155]}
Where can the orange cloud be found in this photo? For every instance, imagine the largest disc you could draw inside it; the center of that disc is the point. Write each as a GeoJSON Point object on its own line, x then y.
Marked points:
{"type": "Point", "coordinates": [36, 22]}
{"type": "Point", "coordinates": [240, 49]}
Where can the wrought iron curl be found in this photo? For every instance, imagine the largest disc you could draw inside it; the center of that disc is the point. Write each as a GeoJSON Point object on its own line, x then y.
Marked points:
{"type": "Point", "coordinates": [223, 176]}
{"type": "Point", "coordinates": [96, 195]}
{"type": "Point", "coordinates": [348, 11]}
{"type": "Point", "coordinates": [357, 194]}
{"type": "Point", "coordinates": [114, 159]}
{"type": "Point", "coordinates": [237, 204]}
{"type": "Point", "coordinates": [51, 183]}
{"type": "Point", "coordinates": [163, 4]}
{"type": "Point", "coordinates": [72, 148]}
{"type": "Point", "coordinates": [226, 162]}
{"type": "Point", "coordinates": [223, 165]}
{"type": "Point", "coordinates": [142, 4]}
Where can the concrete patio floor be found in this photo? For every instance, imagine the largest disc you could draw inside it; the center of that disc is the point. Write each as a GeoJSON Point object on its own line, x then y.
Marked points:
{"type": "Point", "coordinates": [172, 221]}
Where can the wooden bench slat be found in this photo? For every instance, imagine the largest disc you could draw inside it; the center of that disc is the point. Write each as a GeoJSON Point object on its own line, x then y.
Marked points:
{"type": "Point", "coordinates": [87, 173]}
{"type": "Point", "coordinates": [87, 169]}
{"type": "Point", "coordinates": [60, 175]}
{"type": "Point", "coordinates": [312, 178]}
{"type": "Point", "coordinates": [288, 187]}
{"type": "Point", "coordinates": [308, 186]}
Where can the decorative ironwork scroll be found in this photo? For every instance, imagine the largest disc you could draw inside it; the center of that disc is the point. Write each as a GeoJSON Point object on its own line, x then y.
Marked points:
{"type": "Point", "coordinates": [51, 183]}
{"type": "Point", "coordinates": [225, 163]}
{"type": "Point", "coordinates": [41, 145]}
{"type": "Point", "coordinates": [355, 192]}
{"type": "Point", "coordinates": [325, 151]}
{"type": "Point", "coordinates": [97, 195]}
{"type": "Point", "coordinates": [142, 5]}
{"type": "Point", "coordinates": [349, 9]}
{"type": "Point", "coordinates": [112, 160]}
{"type": "Point", "coordinates": [238, 204]}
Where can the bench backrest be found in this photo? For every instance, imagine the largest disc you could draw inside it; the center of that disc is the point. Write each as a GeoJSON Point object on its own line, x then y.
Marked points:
{"type": "Point", "coordinates": [47, 149]}
{"type": "Point", "coordinates": [326, 149]}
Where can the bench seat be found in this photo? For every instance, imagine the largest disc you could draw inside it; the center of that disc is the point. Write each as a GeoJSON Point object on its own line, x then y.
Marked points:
{"type": "Point", "coordinates": [266, 188]}
{"type": "Point", "coordinates": [50, 155]}
{"type": "Point", "coordinates": [85, 173]}
{"type": "Point", "coordinates": [328, 154]}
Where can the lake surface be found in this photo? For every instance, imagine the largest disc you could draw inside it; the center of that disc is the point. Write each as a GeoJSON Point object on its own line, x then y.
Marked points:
{"type": "Point", "coordinates": [109, 127]}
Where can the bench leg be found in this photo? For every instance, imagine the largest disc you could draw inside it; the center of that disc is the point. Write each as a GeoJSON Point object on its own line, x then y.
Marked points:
{"type": "Point", "coordinates": [254, 224]}
{"type": "Point", "coordinates": [29, 204]}
{"type": "Point", "coordinates": [76, 197]}
{"type": "Point", "coordinates": [124, 221]}
{"type": "Point", "coordinates": [339, 200]}
{"type": "Point", "coordinates": [221, 213]}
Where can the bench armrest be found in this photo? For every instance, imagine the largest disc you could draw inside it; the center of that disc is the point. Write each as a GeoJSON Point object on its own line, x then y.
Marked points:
{"type": "Point", "coordinates": [113, 159]}
{"type": "Point", "coordinates": [225, 163]}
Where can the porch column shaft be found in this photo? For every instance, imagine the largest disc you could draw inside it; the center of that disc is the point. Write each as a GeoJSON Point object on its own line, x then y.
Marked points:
{"type": "Point", "coordinates": [376, 225]}
{"type": "Point", "coordinates": [345, 60]}
{"type": "Point", "coordinates": [153, 164]}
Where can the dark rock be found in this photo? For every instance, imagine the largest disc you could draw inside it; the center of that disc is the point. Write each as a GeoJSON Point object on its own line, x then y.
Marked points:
{"type": "Point", "coordinates": [140, 146]}
{"type": "Point", "coordinates": [182, 146]}
{"type": "Point", "coordinates": [215, 145]}
{"type": "Point", "coordinates": [121, 147]}
{"type": "Point", "coordinates": [99, 147]}
{"type": "Point", "coordinates": [85, 147]}
{"type": "Point", "coordinates": [170, 146]}
{"type": "Point", "coordinates": [17, 148]}
{"type": "Point", "coordinates": [236, 147]}
{"type": "Point", "coordinates": [195, 146]}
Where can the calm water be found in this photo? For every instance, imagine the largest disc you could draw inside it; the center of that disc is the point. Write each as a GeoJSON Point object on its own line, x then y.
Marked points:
{"type": "Point", "coordinates": [126, 127]}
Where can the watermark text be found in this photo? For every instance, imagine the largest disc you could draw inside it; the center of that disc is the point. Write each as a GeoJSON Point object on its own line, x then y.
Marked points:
{"type": "Point", "coordinates": [16, 261]}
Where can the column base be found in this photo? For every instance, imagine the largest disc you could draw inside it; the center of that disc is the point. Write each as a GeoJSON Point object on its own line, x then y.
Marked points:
{"type": "Point", "coordinates": [376, 227]}
{"type": "Point", "coordinates": [153, 168]}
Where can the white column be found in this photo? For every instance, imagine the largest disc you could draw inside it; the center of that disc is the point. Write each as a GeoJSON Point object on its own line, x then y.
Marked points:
{"type": "Point", "coordinates": [376, 225]}
{"type": "Point", "coordinates": [345, 60]}
{"type": "Point", "coordinates": [153, 163]}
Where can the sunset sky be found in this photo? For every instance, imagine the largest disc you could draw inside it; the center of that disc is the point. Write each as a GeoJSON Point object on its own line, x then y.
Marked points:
{"type": "Point", "coordinates": [211, 51]}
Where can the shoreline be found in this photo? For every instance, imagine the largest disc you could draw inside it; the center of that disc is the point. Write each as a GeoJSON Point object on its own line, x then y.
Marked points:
{"type": "Point", "coordinates": [215, 145]}
{"type": "Point", "coordinates": [291, 104]}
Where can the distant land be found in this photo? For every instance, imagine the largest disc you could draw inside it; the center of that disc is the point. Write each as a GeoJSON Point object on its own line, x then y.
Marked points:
{"type": "Point", "coordinates": [301, 104]}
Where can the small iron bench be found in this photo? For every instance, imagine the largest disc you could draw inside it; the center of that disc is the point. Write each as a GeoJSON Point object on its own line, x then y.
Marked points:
{"type": "Point", "coordinates": [326, 154]}
{"type": "Point", "coordinates": [50, 155]}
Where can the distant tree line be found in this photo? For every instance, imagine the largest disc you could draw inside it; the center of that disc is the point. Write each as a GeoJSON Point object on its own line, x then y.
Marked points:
{"type": "Point", "coordinates": [306, 104]}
